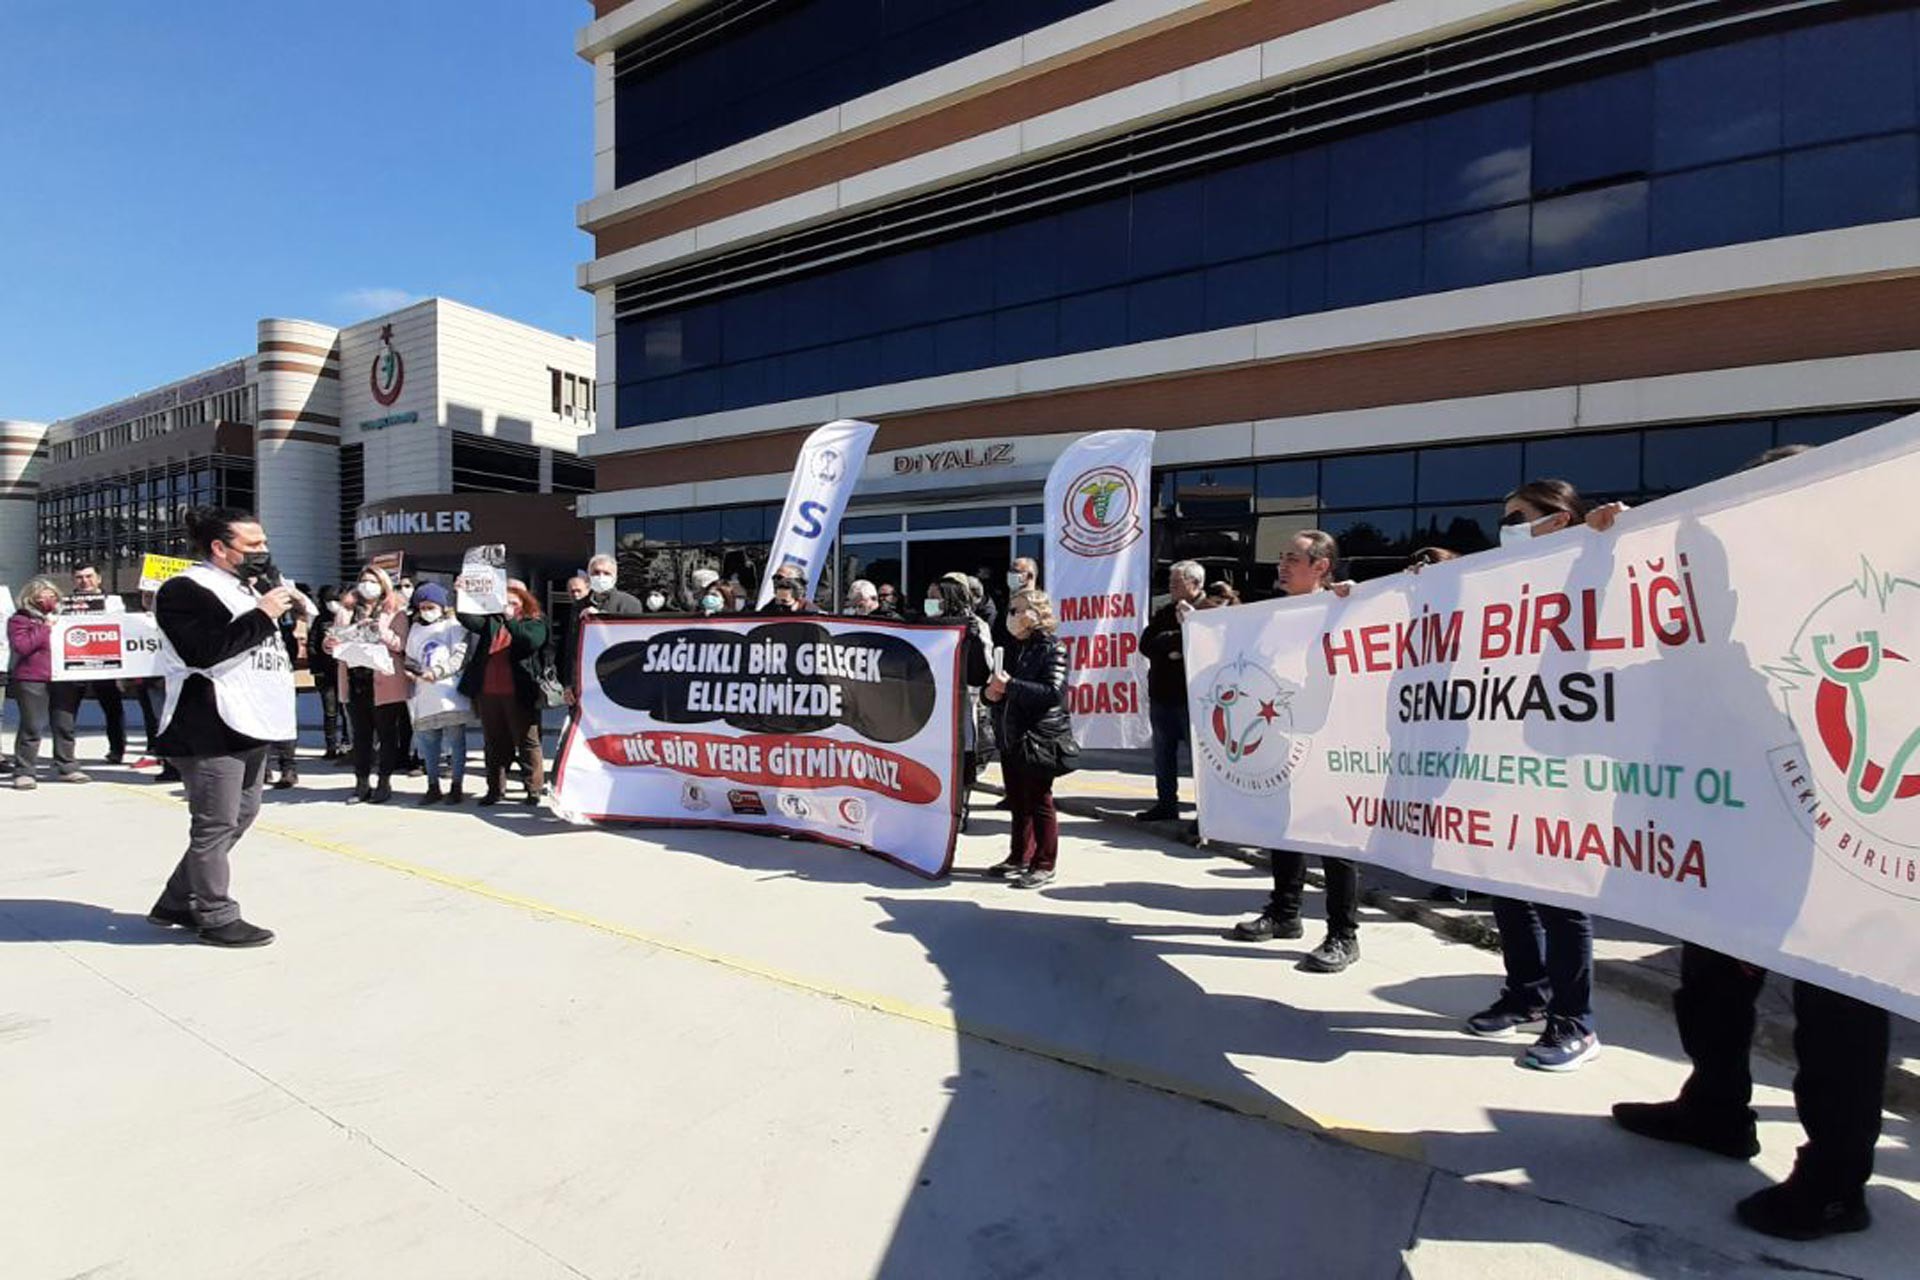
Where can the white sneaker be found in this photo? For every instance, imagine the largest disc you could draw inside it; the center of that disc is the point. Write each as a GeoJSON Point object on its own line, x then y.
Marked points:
{"type": "Point", "coordinates": [24, 782]}
{"type": "Point", "coordinates": [75, 776]}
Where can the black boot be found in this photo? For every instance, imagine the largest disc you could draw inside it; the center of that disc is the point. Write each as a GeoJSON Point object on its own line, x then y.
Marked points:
{"type": "Point", "coordinates": [455, 795]}
{"type": "Point", "coordinates": [382, 791]}
{"type": "Point", "coordinates": [432, 796]}
{"type": "Point", "coordinates": [361, 792]}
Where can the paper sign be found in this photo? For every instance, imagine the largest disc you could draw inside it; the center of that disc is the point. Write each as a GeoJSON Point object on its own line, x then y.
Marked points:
{"type": "Point", "coordinates": [482, 585]}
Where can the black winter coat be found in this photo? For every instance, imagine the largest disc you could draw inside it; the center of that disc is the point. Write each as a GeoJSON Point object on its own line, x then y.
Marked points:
{"type": "Point", "coordinates": [1036, 694]}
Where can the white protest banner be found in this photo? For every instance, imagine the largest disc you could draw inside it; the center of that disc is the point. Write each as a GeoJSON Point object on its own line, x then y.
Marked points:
{"type": "Point", "coordinates": [823, 479]}
{"type": "Point", "coordinates": [1706, 721]}
{"type": "Point", "coordinates": [358, 644]}
{"type": "Point", "coordinates": [841, 730]}
{"type": "Point", "coordinates": [1099, 570]}
{"type": "Point", "coordinates": [105, 646]}
{"type": "Point", "coordinates": [6, 611]}
{"type": "Point", "coordinates": [155, 569]}
{"type": "Point", "coordinates": [482, 585]}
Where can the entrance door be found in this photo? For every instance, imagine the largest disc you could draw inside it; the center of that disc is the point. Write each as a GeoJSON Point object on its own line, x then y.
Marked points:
{"type": "Point", "coordinates": [933, 558]}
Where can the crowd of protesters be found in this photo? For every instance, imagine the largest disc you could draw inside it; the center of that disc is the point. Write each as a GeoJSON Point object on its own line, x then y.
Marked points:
{"type": "Point", "coordinates": [403, 678]}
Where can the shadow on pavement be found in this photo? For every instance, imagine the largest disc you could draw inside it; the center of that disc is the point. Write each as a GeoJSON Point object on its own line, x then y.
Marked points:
{"type": "Point", "coordinates": [57, 920]}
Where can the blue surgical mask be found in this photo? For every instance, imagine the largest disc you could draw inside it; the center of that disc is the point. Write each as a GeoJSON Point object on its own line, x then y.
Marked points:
{"type": "Point", "coordinates": [710, 604]}
{"type": "Point", "coordinates": [931, 608]}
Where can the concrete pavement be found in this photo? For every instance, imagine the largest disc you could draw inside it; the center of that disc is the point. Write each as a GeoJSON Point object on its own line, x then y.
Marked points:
{"type": "Point", "coordinates": [490, 1045]}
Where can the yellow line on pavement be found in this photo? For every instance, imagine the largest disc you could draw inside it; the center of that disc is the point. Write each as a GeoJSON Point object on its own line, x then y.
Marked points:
{"type": "Point", "coordinates": [1258, 1105]}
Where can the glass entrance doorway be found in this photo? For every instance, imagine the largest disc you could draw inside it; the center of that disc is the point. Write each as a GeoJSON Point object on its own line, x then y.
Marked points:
{"type": "Point", "coordinates": [912, 549]}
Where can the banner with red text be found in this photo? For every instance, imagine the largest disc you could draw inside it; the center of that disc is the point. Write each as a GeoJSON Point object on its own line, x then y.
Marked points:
{"type": "Point", "coordinates": [105, 646]}
{"type": "Point", "coordinates": [1706, 721]}
{"type": "Point", "coordinates": [841, 730]}
{"type": "Point", "coordinates": [1099, 570]}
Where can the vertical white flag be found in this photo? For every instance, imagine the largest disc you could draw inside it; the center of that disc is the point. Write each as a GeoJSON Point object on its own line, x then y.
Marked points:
{"type": "Point", "coordinates": [1099, 566]}
{"type": "Point", "coordinates": [823, 479]}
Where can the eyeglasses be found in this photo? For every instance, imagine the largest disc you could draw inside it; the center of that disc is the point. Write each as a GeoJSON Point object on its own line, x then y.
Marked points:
{"type": "Point", "coordinates": [1513, 518]}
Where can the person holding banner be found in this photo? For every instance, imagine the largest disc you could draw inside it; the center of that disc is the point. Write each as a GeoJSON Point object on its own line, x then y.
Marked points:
{"type": "Point", "coordinates": [87, 597]}
{"type": "Point", "coordinates": [604, 596]}
{"type": "Point", "coordinates": [1547, 950]}
{"type": "Point", "coordinates": [949, 602]}
{"type": "Point", "coordinates": [1167, 687]}
{"type": "Point", "coordinates": [505, 666]}
{"type": "Point", "coordinates": [30, 684]}
{"type": "Point", "coordinates": [1028, 693]}
{"type": "Point", "coordinates": [229, 694]}
{"type": "Point", "coordinates": [436, 658]}
{"type": "Point", "coordinates": [1306, 567]}
{"type": "Point", "coordinates": [376, 699]}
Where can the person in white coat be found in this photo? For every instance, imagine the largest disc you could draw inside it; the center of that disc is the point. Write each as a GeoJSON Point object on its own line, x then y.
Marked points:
{"type": "Point", "coordinates": [436, 655]}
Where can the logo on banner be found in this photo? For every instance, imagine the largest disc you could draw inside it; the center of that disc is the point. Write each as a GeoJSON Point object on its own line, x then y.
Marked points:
{"type": "Point", "coordinates": [828, 466]}
{"type": "Point", "coordinates": [1100, 515]}
{"type": "Point", "coordinates": [747, 803]}
{"type": "Point", "coordinates": [1247, 735]}
{"type": "Point", "coordinates": [694, 798]}
{"type": "Point", "coordinates": [95, 645]}
{"type": "Point", "coordinates": [389, 371]}
{"type": "Point", "coordinates": [850, 812]}
{"type": "Point", "coordinates": [1851, 687]}
{"type": "Point", "coordinates": [793, 806]}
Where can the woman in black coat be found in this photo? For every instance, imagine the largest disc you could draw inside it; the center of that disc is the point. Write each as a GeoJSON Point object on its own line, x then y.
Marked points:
{"type": "Point", "coordinates": [502, 680]}
{"type": "Point", "coordinates": [1031, 721]}
{"type": "Point", "coordinates": [948, 602]}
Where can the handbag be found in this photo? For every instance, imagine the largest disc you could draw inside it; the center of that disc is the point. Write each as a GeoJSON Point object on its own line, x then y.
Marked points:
{"type": "Point", "coordinates": [547, 681]}
{"type": "Point", "coordinates": [1048, 747]}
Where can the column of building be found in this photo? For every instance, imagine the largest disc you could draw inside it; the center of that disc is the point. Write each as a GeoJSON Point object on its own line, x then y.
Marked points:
{"type": "Point", "coordinates": [297, 446]}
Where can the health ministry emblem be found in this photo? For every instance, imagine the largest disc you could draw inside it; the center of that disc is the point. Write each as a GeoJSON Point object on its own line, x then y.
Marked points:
{"type": "Point", "coordinates": [1100, 515]}
{"type": "Point", "coordinates": [1245, 732]}
{"type": "Point", "coordinates": [1851, 686]}
{"type": "Point", "coordinates": [389, 372]}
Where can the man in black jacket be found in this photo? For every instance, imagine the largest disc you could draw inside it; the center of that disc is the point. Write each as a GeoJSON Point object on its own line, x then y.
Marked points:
{"type": "Point", "coordinates": [603, 596]}
{"type": "Point", "coordinates": [229, 694]}
{"type": "Point", "coordinates": [1162, 644]}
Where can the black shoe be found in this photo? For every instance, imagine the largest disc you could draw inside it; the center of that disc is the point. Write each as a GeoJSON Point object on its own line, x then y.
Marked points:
{"type": "Point", "coordinates": [1264, 928]}
{"type": "Point", "coordinates": [382, 792]}
{"type": "Point", "coordinates": [455, 795]}
{"type": "Point", "coordinates": [236, 933]}
{"type": "Point", "coordinates": [1337, 953]}
{"type": "Point", "coordinates": [1502, 1019]}
{"type": "Point", "coordinates": [115, 757]}
{"type": "Point", "coordinates": [286, 780]}
{"type": "Point", "coordinates": [361, 792]}
{"type": "Point", "coordinates": [1158, 813]}
{"type": "Point", "coordinates": [167, 774]}
{"type": "Point", "coordinates": [1793, 1211]}
{"type": "Point", "coordinates": [166, 916]}
{"type": "Point", "coordinates": [1032, 878]}
{"type": "Point", "coordinates": [1676, 1122]}
{"type": "Point", "coordinates": [1442, 893]}
{"type": "Point", "coordinates": [1004, 803]}
{"type": "Point", "coordinates": [492, 797]}
{"type": "Point", "coordinates": [431, 797]}
{"type": "Point", "coordinates": [1005, 870]}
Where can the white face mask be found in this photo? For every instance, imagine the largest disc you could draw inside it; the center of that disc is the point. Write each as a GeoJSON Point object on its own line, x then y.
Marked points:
{"type": "Point", "coordinates": [931, 608]}
{"type": "Point", "coordinates": [429, 614]}
{"type": "Point", "coordinates": [1016, 579]}
{"type": "Point", "coordinates": [406, 593]}
{"type": "Point", "coordinates": [369, 590]}
{"type": "Point", "coordinates": [656, 601]}
{"type": "Point", "coordinates": [1512, 533]}
{"type": "Point", "coordinates": [601, 582]}
{"type": "Point", "coordinates": [711, 603]}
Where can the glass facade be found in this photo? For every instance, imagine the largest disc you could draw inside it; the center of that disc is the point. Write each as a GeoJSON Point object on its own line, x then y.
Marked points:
{"type": "Point", "coordinates": [735, 70]}
{"type": "Point", "coordinates": [113, 523]}
{"type": "Point", "coordinates": [1766, 135]}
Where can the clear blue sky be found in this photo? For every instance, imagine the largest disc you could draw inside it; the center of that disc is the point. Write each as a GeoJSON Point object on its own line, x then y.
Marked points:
{"type": "Point", "coordinates": [170, 173]}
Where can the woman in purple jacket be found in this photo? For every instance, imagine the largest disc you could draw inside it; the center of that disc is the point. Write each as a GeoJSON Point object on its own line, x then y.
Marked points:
{"type": "Point", "coordinates": [30, 635]}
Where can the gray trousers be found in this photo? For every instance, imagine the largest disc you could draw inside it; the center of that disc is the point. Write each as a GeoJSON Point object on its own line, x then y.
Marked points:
{"type": "Point", "coordinates": [223, 797]}
{"type": "Point", "coordinates": [38, 708]}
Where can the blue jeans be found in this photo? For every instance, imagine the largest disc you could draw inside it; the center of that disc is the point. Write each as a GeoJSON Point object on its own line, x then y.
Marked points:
{"type": "Point", "coordinates": [1549, 958]}
{"type": "Point", "coordinates": [1170, 725]}
{"type": "Point", "coordinates": [428, 742]}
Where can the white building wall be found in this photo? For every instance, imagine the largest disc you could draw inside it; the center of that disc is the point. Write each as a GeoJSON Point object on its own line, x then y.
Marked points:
{"type": "Point", "coordinates": [494, 378]}
{"type": "Point", "coordinates": [20, 462]}
{"type": "Point", "coordinates": [296, 449]}
{"type": "Point", "coordinates": [407, 457]}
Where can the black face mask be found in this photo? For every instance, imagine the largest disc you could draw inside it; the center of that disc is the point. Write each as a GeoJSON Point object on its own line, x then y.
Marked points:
{"type": "Point", "coordinates": [257, 567]}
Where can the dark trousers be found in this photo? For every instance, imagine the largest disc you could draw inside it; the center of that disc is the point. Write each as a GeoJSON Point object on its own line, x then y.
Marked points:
{"type": "Point", "coordinates": [376, 729]}
{"type": "Point", "coordinates": [223, 797]}
{"type": "Point", "coordinates": [40, 709]}
{"type": "Point", "coordinates": [280, 757]}
{"type": "Point", "coordinates": [1036, 827]}
{"type": "Point", "coordinates": [333, 719]}
{"type": "Point", "coordinates": [71, 693]}
{"type": "Point", "coordinates": [1170, 728]}
{"type": "Point", "coordinates": [509, 728]}
{"type": "Point", "coordinates": [1549, 959]}
{"type": "Point", "coordinates": [1343, 891]}
{"type": "Point", "coordinates": [150, 695]}
{"type": "Point", "coordinates": [1841, 1046]}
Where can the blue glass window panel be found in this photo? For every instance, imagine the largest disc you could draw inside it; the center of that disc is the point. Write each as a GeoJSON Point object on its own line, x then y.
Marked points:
{"type": "Point", "coordinates": [704, 391]}
{"type": "Point", "coordinates": [1853, 183]}
{"type": "Point", "coordinates": [743, 524]}
{"type": "Point", "coordinates": [807, 307]}
{"type": "Point", "coordinates": [869, 524]}
{"type": "Point", "coordinates": [1717, 104]}
{"type": "Point", "coordinates": [699, 528]}
{"type": "Point", "coordinates": [856, 363]}
{"type": "Point", "coordinates": [750, 325]}
{"type": "Point", "coordinates": [1246, 210]}
{"type": "Point", "coordinates": [1093, 245]}
{"type": "Point", "coordinates": [1374, 180]}
{"type": "Point", "coordinates": [1168, 227]}
{"type": "Point", "coordinates": [1026, 261]}
{"type": "Point", "coordinates": [1026, 333]}
{"type": "Point", "coordinates": [1367, 479]}
{"type": "Point", "coordinates": [1165, 307]}
{"type": "Point", "coordinates": [1724, 204]}
{"type": "Point", "coordinates": [1245, 292]}
{"type": "Point", "coordinates": [1093, 320]}
{"type": "Point", "coordinates": [808, 373]}
{"type": "Point", "coordinates": [1593, 464]}
{"type": "Point", "coordinates": [1825, 428]}
{"type": "Point", "coordinates": [1590, 227]}
{"type": "Point", "coordinates": [1464, 528]}
{"type": "Point", "coordinates": [630, 350]}
{"type": "Point", "coordinates": [1682, 457]}
{"type": "Point", "coordinates": [1592, 131]}
{"type": "Point", "coordinates": [662, 399]}
{"type": "Point", "coordinates": [900, 288]}
{"type": "Point", "coordinates": [1372, 543]}
{"type": "Point", "coordinates": [745, 383]}
{"type": "Point", "coordinates": [962, 276]}
{"type": "Point", "coordinates": [1307, 280]}
{"type": "Point", "coordinates": [1307, 196]}
{"type": "Point", "coordinates": [662, 527]}
{"type": "Point", "coordinates": [1286, 486]}
{"type": "Point", "coordinates": [1374, 268]}
{"type": "Point", "coordinates": [1850, 78]}
{"type": "Point", "coordinates": [907, 354]}
{"type": "Point", "coordinates": [963, 344]}
{"type": "Point", "coordinates": [1479, 248]}
{"type": "Point", "coordinates": [1460, 473]}
{"type": "Point", "coordinates": [1030, 513]}
{"type": "Point", "coordinates": [1479, 157]}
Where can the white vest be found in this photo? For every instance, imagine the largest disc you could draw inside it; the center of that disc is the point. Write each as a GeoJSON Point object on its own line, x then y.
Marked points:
{"type": "Point", "coordinates": [252, 690]}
